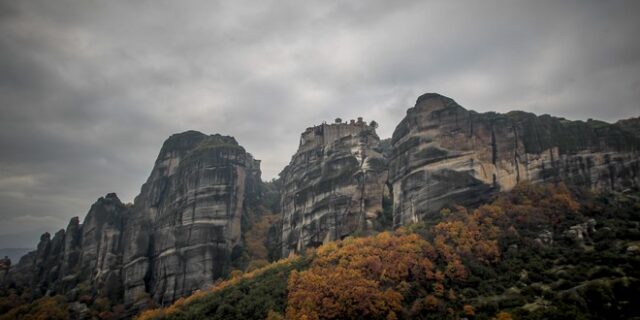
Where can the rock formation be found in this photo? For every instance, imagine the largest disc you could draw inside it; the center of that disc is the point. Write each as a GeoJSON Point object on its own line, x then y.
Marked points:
{"type": "Point", "coordinates": [582, 231]}
{"type": "Point", "coordinates": [82, 256]}
{"type": "Point", "coordinates": [333, 185]}
{"type": "Point", "coordinates": [180, 234]}
{"type": "Point", "coordinates": [631, 125]}
{"type": "Point", "coordinates": [444, 155]}
{"type": "Point", "coordinates": [187, 218]}
{"type": "Point", "coordinates": [185, 228]}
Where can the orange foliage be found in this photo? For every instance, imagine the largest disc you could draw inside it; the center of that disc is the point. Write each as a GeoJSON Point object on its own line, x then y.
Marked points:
{"type": "Point", "coordinates": [49, 308]}
{"type": "Point", "coordinates": [346, 273]}
{"type": "Point", "coordinates": [385, 257]}
{"type": "Point", "coordinates": [151, 314]}
{"type": "Point", "coordinates": [468, 310]}
{"type": "Point", "coordinates": [466, 235]}
{"type": "Point", "coordinates": [376, 277]}
{"type": "Point", "coordinates": [535, 204]}
{"type": "Point", "coordinates": [432, 303]}
{"type": "Point", "coordinates": [370, 276]}
{"type": "Point", "coordinates": [363, 276]}
{"type": "Point", "coordinates": [341, 293]}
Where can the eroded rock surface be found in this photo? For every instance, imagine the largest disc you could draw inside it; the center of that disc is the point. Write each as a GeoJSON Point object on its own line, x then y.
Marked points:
{"type": "Point", "coordinates": [179, 235]}
{"type": "Point", "coordinates": [185, 229]}
{"type": "Point", "coordinates": [187, 218]}
{"type": "Point", "coordinates": [83, 259]}
{"type": "Point", "coordinates": [444, 155]}
{"type": "Point", "coordinates": [333, 185]}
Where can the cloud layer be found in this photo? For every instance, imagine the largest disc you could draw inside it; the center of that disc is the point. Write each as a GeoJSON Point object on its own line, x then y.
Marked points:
{"type": "Point", "coordinates": [89, 90]}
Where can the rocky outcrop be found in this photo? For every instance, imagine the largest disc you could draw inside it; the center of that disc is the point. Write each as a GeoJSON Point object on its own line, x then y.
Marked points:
{"type": "Point", "coordinates": [102, 246]}
{"type": "Point", "coordinates": [631, 125]}
{"type": "Point", "coordinates": [84, 259]}
{"type": "Point", "coordinates": [544, 238]}
{"type": "Point", "coordinates": [581, 232]}
{"type": "Point", "coordinates": [180, 234]}
{"type": "Point", "coordinates": [185, 229]}
{"type": "Point", "coordinates": [333, 185]}
{"type": "Point", "coordinates": [444, 155]}
{"type": "Point", "coordinates": [5, 266]}
{"type": "Point", "coordinates": [187, 219]}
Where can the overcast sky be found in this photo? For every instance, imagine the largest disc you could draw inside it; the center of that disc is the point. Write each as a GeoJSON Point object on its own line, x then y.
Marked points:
{"type": "Point", "coordinates": [89, 90]}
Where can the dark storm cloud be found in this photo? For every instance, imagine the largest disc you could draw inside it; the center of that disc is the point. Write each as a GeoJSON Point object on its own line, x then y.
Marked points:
{"type": "Point", "coordinates": [89, 90]}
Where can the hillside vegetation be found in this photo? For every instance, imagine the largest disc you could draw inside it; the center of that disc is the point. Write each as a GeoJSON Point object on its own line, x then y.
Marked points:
{"type": "Point", "coordinates": [537, 252]}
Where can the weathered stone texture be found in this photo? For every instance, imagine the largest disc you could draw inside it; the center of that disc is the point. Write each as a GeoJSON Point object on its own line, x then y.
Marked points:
{"type": "Point", "coordinates": [185, 228]}
{"type": "Point", "coordinates": [187, 219]}
{"type": "Point", "coordinates": [444, 155]}
{"type": "Point", "coordinates": [177, 237]}
{"type": "Point", "coordinates": [332, 185]}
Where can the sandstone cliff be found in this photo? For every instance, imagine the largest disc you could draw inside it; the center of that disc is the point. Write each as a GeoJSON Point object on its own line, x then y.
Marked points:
{"type": "Point", "coordinates": [181, 233]}
{"type": "Point", "coordinates": [444, 155]}
{"type": "Point", "coordinates": [187, 219]}
{"type": "Point", "coordinates": [83, 259]}
{"type": "Point", "coordinates": [441, 155]}
{"type": "Point", "coordinates": [333, 185]}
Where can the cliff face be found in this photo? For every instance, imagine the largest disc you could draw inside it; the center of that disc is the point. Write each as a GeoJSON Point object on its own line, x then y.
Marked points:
{"type": "Point", "coordinates": [631, 125]}
{"type": "Point", "coordinates": [333, 185]}
{"type": "Point", "coordinates": [185, 229]}
{"type": "Point", "coordinates": [83, 259]}
{"type": "Point", "coordinates": [179, 235]}
{"type": "Point", "coordinates": [444, 154]}
{"type": "Point", "coordinates": [187, 218]}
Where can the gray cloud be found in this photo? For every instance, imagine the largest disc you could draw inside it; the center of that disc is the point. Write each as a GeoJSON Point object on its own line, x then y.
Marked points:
{"type": "Point", "coordinates": [89, 90]}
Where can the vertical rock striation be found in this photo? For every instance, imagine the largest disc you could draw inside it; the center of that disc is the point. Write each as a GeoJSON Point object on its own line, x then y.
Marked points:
{"type": "Point", "coordinates": [444, 155]}
{"type": "Point", "coordinates": [84, 259]}
{"type": "Point", "coordinates": [187, 218]}
{"type": "Point", "coordinates": [180, 234]}
{"type": "Point", "coordinates": [332, 186]}
{"type": "Point", "coordinates": [185, 228]}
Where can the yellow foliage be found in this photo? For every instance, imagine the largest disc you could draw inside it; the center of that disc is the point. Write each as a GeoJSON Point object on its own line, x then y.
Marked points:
{"type": "Point", "coordinates": [392, 316]}
{"type": "Point", "coordinates": [339, 293]}
{"type": "Point", "coordinates": [463, 234]}
{"type": "Point", "coordinates": [534, 204]}
{"type": "Point", "coordinates": [47, 308]}
{"type": "Point", "coordinates": [503, 316]}
{"type": "Point", "coordinates": [468, 310]}
{"type": "Point", "coordinates": [385, 257]}
{"type": "Point", "coordinates": [151, 314]}
{"type": "Point", "coordinates": [368, 276]}
{"type": "Point", "coordinates": [431, 302]}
